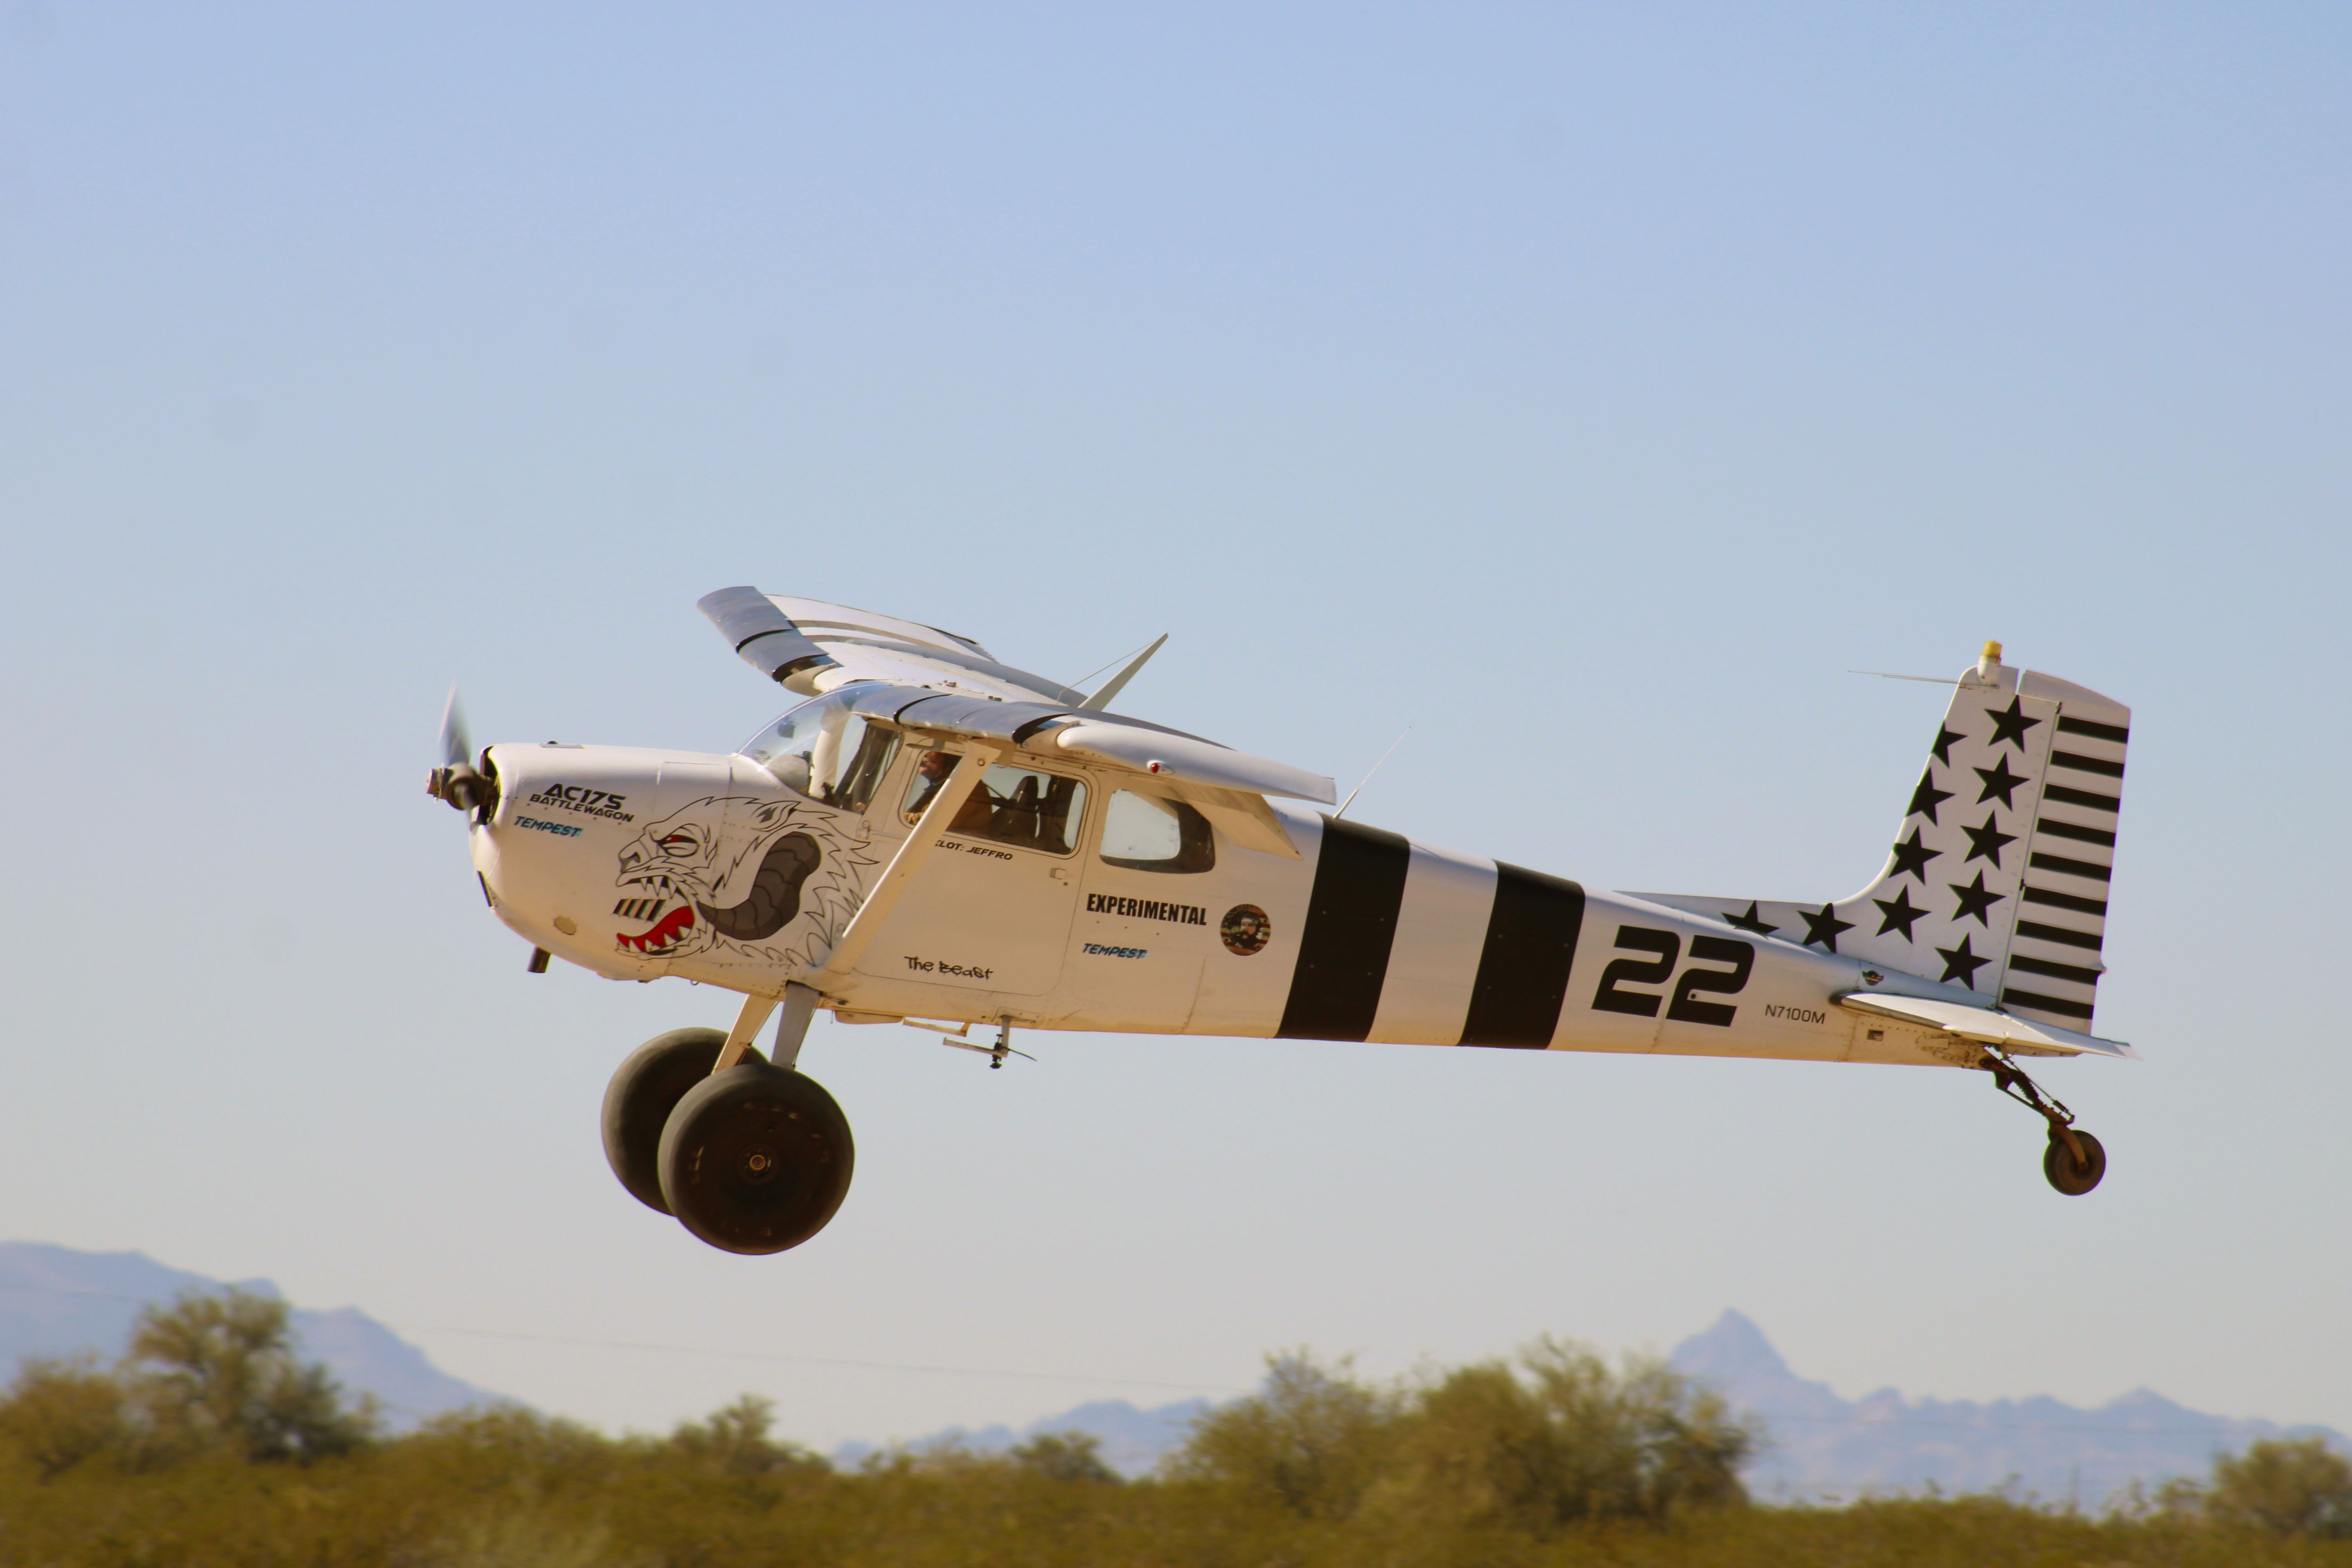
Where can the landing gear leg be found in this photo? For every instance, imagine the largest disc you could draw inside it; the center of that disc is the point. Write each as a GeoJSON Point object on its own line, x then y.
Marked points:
{"type": "Point", "coordinates": [2073, 1162]}
{"type": "Point", "coordinates": [792, 1025]}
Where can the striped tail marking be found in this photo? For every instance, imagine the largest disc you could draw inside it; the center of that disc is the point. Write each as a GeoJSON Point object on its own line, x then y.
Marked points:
{"type": "Point", "coordinates": [2053, 960]}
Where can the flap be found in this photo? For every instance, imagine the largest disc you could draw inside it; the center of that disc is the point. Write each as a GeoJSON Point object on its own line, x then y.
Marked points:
{"type": "Point", "coordinates": [1243, 817]}
{"type": "Point", "coordinates": [1981, 1024]}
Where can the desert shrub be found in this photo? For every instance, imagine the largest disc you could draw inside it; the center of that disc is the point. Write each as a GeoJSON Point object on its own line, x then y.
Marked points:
{"type": "Point", "coordinates": [1314, 1440]}
{"type": "Point", "coordinates": [1555, 1460]}
{"type": "Point", "coordinates": [1064, 1456]}
{"type": "Point", "coordinates": [58, 1413]}
{"type": "Point", "coordinates": [2288, 1487]}
{"type": "Point", "coordinates": [1559, 1438]}
{"type": "Point", "coordinates": [736, 1439]}
{"type": "Point", "coordinates": [218, 1369]}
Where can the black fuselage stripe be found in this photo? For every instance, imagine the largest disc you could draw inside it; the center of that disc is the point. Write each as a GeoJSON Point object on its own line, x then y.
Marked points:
{"type": "Point", "coordinates": [2096, 731]}
{"type": "Point", "coordinates": [2081, 798]}
{"type": "Point", "coordinates": [1352, 920]}
{"type": "Point", "coordinates": [1523, 969]}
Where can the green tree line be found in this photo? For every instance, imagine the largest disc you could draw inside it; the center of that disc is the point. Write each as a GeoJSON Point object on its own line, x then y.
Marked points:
{"type": "Point", "coordinates": [211, 1442]}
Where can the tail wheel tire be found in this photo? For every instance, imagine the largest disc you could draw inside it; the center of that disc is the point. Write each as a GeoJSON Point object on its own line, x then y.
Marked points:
{"type": "Point", "coordinates": [2069, 1175]}
{"type": "Point", "coordinates": [756, 1158]}
{"type": "Point", "coordinates": [644, 1092]}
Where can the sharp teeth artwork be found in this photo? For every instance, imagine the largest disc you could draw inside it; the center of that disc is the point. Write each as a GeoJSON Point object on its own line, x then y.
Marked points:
{"type": "Point", "coordinates": [931, 836]}
{"type": "Point", "coordinates": [768, 880]}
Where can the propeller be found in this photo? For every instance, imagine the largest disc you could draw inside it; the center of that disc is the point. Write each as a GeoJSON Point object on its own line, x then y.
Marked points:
{"type": "Point", "coordinates": [456, 780]}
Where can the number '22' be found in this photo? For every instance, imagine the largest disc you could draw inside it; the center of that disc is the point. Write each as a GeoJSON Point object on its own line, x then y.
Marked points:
{"type": "Point", "coordinates": [1686, 1006]}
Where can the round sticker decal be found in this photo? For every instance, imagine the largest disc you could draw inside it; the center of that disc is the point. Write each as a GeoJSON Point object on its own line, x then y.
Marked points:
{"type": "Point", "coordinates": [1246, 930]}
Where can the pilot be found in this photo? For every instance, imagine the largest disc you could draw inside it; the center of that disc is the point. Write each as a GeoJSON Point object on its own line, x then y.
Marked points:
{"type": "Point", "coordinates": [929, 774]}
{"type": "Point", "coordinates": [976, 815]}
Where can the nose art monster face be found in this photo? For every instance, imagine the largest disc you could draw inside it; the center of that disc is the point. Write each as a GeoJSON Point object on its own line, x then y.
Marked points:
{"type": "Point", "coordinates": [738, 876]}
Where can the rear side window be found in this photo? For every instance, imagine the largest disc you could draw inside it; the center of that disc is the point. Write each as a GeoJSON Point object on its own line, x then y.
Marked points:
{"type": "Point", "coordinates": [1145, 833]}
{"type": "Point", "coordinates": [1011, 806]}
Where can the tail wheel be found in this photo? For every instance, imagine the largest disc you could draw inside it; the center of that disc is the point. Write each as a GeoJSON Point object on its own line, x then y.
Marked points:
{"type": "Point", "coordinates": [756, 1158]}
{"type": "Point", "coordinates": [638, 1101]}
{"type": "Point", "coordinates": [2068, 1174]}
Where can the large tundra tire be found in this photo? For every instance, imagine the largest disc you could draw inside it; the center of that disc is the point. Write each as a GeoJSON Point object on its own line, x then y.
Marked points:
{"type": "Point", "coordinates": [638, 1101]}
{"type": "Point", "coordinates": [756, 1158]}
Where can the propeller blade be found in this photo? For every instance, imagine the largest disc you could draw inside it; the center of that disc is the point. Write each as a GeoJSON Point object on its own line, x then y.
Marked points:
{"type": "Point", "coordinates": [457, 746]}
{"type": "Point", "coordinates": [456, 780]}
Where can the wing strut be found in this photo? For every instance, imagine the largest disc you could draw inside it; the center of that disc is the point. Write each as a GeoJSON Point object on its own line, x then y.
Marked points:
{"type": "Point", "coordinates": [892, 885]}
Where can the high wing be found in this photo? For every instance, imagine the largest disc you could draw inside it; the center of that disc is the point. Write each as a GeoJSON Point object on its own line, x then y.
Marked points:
{"type": "Point", "coordinates": [929, 680]}
{"type": "Point", "coordinates": [812, 647]}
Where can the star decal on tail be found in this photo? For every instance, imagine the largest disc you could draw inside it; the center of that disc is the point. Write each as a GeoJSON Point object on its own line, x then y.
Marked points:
{"type": "Point", "coordinates": [1927, 797]}
{"type": "Point", "coordinates": [1999, 780]}
{"type": "Point", "coordinates": [1961, 964]}
{"type": "Point", "coordinates": [1899, 913]}
{"type": "Point", "coordinates": [1911, 858]}
{"type": "Point", "coordinates": [2008, 728]}
{"type": "Point", "coordinates": [1986, 840]}
{"type": "Point", "coordinates": [1974, 901]}
{"type": "Point", "coordinates": [1823, 928]}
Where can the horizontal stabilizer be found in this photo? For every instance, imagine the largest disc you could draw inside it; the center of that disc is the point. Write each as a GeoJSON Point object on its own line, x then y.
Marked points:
{"type": "Point", "coordinates": [1979, 1023]}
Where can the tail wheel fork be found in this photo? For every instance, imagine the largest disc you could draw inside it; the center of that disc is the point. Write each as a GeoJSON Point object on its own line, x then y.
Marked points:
{"type": "Point", "coordinates": [2073, 1162]}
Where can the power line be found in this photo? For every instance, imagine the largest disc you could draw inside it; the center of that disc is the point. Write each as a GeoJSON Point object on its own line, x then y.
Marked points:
{"type": "Point", "coordinates": [820, 1360]}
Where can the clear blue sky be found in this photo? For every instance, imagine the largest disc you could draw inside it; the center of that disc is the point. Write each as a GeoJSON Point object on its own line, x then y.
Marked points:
{"type": "Point", "coordinates": [1589, 386]}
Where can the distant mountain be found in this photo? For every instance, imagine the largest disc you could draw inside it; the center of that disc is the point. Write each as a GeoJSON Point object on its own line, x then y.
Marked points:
{"type": "Point", "coordinates": [55, 1300]}
{"type": "Point", "coordinates": [1823, 1447]}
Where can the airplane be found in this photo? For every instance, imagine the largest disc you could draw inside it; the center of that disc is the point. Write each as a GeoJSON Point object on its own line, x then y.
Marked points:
{"type": "Point", "coordinates": [931, 837]}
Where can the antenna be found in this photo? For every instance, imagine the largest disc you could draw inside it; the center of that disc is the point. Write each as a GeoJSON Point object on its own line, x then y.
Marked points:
{"type": "Point", "coordinates": [1367, 776]}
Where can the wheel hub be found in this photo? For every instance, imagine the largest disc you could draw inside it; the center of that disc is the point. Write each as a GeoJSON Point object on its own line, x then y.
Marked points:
{"type": "Point", "coordinates": [757, 1166]}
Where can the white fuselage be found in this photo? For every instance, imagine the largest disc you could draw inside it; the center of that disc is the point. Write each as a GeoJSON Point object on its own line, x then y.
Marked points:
{"type": "Point", "coordinates": [642, 863]}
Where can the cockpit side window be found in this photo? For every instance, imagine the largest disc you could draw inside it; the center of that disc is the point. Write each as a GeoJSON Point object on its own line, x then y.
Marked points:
{"type": "Point", "coordinates": [1011, 804]}
{"type": "Point", "coordinates": [1148, 833]}
{"type": "Point", "coordinates": [827, 752]}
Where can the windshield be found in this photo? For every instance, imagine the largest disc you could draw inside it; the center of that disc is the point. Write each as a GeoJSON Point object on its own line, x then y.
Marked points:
{"type": "Point", "coordinates": [826, 751]}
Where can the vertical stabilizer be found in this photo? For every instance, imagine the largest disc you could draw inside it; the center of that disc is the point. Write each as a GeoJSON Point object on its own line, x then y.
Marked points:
{"type": "Point", "coordinates": [1997, 878]}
